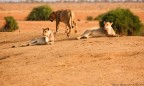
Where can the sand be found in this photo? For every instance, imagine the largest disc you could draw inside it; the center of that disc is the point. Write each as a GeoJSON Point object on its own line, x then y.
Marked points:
{"type": "Point", "coordinates": [102, 61]}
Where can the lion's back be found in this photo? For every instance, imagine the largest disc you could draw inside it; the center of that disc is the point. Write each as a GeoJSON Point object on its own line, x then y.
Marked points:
{"type": "Point", "coordinates": [97, 32]}
{"type": "Point", "coordinates": [65, 15]}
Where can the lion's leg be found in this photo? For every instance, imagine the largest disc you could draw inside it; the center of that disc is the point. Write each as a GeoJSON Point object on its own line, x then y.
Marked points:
{"type": "Point", "coordinates": [83, 36]}
{"type": "Point", "coordinates": [69, 30]}
{"type": "Point", "coordinates": [57, 26]}
{"type": "Point", "coordinates": [66, 31]}
{"type": "Point", "coordinates": [49, 43]}
{"type": "Point", "coordinates": [86, 34]}
{"type": "Point", "coordinates": [33, 42]}
{"type": "Point", "coordinates": [75, 26]}
{"type": "Point", "coordinates": [116, 35]}
{"type": "Point", "coordinates": [79, 37]}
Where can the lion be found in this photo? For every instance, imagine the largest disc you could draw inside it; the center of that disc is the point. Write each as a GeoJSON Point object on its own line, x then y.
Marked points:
{"type": "Point", "coordinates": [67, 17]}
{"type": "Point", "coordinates": [100, 32]}
{"type": "Point", "coordinates": [47, 38]}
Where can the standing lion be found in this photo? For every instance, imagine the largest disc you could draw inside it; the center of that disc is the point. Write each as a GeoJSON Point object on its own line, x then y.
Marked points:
{"type": "Point", "coordinates": [65, 16]}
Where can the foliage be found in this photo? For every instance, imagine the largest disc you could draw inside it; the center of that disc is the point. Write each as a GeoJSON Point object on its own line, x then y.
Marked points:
{"type": "Point", "coordinates": [11, 24]}
{"type": "Point", "coordinates": [89, 18]}
{"type": "Point", "coordinates": [40, 13]}
{"type": "Point", "coordinates": [124, 21]}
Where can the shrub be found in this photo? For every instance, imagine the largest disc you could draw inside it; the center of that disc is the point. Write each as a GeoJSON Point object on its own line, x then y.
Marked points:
{"type": "Point", "coordinates": [124, 21]}
{"type": "Point", "coordinates": [142, 31]}
{"type": "Point", "coordinates": [11, 24]}
{"type": "Point", "coordinates": [40, 13]}
{"type": "Point", "coordinates": [89, 18]}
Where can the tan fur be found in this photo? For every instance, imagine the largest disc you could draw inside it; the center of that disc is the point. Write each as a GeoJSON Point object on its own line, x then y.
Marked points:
{"type": "Point", "coordinates": [108, 28]}
{"type": "Point", "coordinates": [47, 38]}
{"type": "Point", "coordinates": [99, 32]}
{"type": "Point", "coordinates": [65, 16]}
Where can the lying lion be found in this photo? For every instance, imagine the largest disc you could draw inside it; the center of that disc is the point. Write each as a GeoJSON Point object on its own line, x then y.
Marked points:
{"type": "Point", "coordinates": [47, 38]}
{"type": "Point", "coordinates": [66, 16]}
{"type": "Point", "coordinates": [99, 32]}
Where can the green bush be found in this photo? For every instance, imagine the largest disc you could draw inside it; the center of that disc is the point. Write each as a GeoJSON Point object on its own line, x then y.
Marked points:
{"type": "Point", "coordinates": [142, 31]}
{"type": "Point", "coordinates": [11, 24]}
{"type": "Point", "coordinates": [40, 13]}
{"type": "Point", "coordinates": [89, 18]}
{"type": "Point", "coordinates": [124, 21]}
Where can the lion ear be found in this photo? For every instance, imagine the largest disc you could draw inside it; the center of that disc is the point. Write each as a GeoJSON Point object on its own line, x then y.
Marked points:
{"type": "Point", "coordinates": [104, 22]}
{"type": "Point", "coordinates": [47, 28]}
{"type": "Point", "coordinates": [111, 23]}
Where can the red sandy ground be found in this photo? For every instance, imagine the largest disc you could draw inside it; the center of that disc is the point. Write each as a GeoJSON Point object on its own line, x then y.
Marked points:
{"type": "Point", "coordinates": [99, 61]}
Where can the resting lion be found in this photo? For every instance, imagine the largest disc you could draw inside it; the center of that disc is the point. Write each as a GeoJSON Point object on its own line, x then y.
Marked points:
{"type": "Point", "coordinates": [65, 16]}
{"type": "Point", "coordinates": [47, 38]}
{"type": "Point", "coordinates": [99, 32]}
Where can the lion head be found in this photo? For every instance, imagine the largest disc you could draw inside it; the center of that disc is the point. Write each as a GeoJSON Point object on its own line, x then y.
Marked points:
{"type": "Point", "coordinates": [107, 25]}
{"type": "Point", "coordinates": [46, 32]}
{"type": "Point", "coordinates": [52, 16]}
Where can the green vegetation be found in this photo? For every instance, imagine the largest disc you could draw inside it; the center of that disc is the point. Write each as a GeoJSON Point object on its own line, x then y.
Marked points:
{"type": "Point", "coordinates": [40, 13]}
{"type": "Point", "coordinates": [11, 24]}
{"type": "Point", "coordinates": [89, 18]}
{"type": "Point", "coordinates": [124, 21]}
